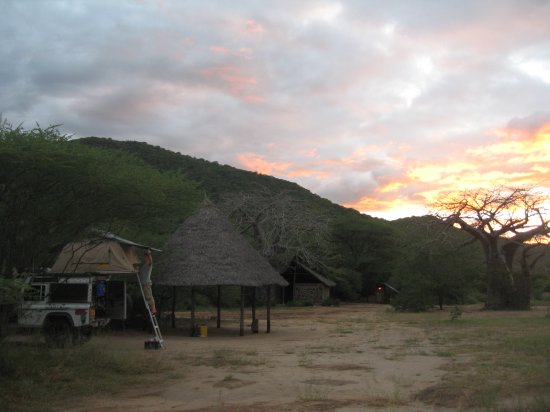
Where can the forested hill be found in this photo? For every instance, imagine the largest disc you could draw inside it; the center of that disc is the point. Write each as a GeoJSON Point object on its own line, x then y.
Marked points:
{"type": "Point", "coordinates": [213, 178]}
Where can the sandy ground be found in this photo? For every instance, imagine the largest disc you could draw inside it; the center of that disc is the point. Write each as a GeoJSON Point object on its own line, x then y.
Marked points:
{"type": "Point", "coordinates": [315, 359]}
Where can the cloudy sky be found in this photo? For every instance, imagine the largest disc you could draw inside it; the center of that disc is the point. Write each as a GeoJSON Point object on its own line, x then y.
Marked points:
{"type": "Point", "coordinates": [376, 105]}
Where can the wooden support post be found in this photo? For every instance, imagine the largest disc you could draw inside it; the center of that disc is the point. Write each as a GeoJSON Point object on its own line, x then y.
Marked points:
{"type": "Point", "coordinates": [268, 305]}
{"type": "Point", "coordinates": [241, 323]}
{"type": "Point", "coordinates": [192, 310]}
{"type": "Point", "coordinates": [253, 304]}
{"type": "Point", "coordinates": [174, 297]}
{"type": "Point", "coordinates": [219, 304]}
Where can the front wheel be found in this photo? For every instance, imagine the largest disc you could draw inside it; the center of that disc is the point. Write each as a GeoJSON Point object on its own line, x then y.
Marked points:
{"type": "Point", "coordinates": [58, 333]}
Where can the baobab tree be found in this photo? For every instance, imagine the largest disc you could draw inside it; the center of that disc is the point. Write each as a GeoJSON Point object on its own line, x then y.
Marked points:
{"type": "Point", "coordinates": [513, 227]}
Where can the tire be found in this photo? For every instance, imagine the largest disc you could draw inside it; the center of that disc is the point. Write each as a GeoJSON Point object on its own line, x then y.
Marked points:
{"type": "Point", "coordinates": [58, 333]}
{"type": "Point", "coordinates": [82, 335]}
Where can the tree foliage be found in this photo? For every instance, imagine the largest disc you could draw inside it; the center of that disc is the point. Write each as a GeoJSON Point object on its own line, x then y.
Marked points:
{"type": "Point", "coordinates": [364, 250]}
{"type": "Point", "coordinates": [508, 222]}
{"type": "Point", "coordinates": [435, 265]}
{"type": "Point", "coordinates": [52, 190]}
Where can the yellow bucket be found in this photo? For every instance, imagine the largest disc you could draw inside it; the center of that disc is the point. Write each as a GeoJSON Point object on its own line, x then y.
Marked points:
{"type": "Point", "coordinates": [203, 330]}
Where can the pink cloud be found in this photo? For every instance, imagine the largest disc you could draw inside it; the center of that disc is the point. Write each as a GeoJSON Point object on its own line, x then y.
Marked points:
{"type": "Point", "coordinates": [233, 81]}
{"type": "Point", "coordinates": [252, 26]}
{"type": "Point", "coordinates": [219, 49]}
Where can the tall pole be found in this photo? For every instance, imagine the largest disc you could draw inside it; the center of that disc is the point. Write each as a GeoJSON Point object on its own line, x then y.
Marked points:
{"type": "Point", "coordinates": [268, 309]}
{"type": "Point", "coordinates": [241, 323]}
{"type": "Point", "coordinates": [253, 304]}
{"type": "Point", "coordinates": [192, 310]}
{"type": "Point", "coordinates": [174, 297]}
{"type": "Point", "coordinates": [219, 304]}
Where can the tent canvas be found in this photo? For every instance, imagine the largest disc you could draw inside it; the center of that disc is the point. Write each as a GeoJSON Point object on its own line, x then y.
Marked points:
{"type": "Point", "coordinates": [96, 256]}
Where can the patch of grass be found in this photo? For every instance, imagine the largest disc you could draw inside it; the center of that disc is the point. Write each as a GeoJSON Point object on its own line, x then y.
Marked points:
{"type": "Point", "coordinates": [411, 342]}
{"type": "Point", "coordinates": [222, 358]}
{"type": "Point", "coordinates": [36, 378]}
{"type": "Point", "coordinates": [444, 353]}
{"type": "Point", "coordinates": [382, 347]}
{"type": "Point", "coordinates": [386, 399]}
{"type": "Point", "coordinates": [344, 328]}
{"type": "Point", "coordinates": [312, 393]}
{"type": "Point", "coordinates": [328, 349]}
{"type": "Point", "coordinates": [305, 360]}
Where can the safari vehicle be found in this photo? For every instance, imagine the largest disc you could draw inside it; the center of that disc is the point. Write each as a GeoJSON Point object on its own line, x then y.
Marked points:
{"type": "Point", "coordinates": [69, 308]}
{"type": "Point", "coordinates": [84, 290]}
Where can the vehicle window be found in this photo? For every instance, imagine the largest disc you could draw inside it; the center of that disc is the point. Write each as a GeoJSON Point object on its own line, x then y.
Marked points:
{"type": "Point", "coordinates": [35, 293]}
{"type": "Point", "coordinates": [69, 292]}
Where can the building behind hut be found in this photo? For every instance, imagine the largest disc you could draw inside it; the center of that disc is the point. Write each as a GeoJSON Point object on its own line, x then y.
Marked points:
{"type": "Point", "coordinates": [305, 285]}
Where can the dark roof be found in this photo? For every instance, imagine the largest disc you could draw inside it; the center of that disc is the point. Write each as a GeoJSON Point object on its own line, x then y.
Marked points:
{"type": "Point", "coordinates": [207, 250]}
{"type": "Point", "coordinates": [325, 281]}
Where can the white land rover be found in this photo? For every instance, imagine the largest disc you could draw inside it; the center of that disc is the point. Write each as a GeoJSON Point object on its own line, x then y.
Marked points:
{"type": "Point", "coordinates": [68, 308]}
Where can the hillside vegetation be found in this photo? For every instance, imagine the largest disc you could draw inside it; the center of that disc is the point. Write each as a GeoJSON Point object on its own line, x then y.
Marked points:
{"type": "Point", "coordinates": [54, 189]}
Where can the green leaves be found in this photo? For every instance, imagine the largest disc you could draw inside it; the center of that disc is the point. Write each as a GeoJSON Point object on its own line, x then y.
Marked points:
{"type": "Point", "coordinates": [52, 190]}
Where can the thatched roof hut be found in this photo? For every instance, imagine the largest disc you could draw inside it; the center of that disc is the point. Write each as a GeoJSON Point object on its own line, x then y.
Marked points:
{"type": "Point", "coordinates": [207, 250]}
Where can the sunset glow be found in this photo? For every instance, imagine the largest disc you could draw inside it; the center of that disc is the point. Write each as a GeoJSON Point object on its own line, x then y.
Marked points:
{"type": "Point", "coordinates": [380, 107]}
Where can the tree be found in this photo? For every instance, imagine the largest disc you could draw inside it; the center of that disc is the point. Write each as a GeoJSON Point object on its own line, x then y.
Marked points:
{"type": "Point", "coordinates": [53, 190]}
{"type": "Point", "coordinates": [507, 222]}
{"type": "Point", "coordinates": [280, 226]}
{"type": "Point", "coordinates": [434, 265]}
{"type": "Point", "coordinates": [364, 253]}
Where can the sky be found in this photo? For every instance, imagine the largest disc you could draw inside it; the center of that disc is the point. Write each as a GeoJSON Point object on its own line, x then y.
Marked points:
{"type": "Point", "coordinates": [382, 106]}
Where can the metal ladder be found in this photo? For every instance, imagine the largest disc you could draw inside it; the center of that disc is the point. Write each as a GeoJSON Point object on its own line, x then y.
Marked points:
{"type": "Point", "coordinates": [153, 318]}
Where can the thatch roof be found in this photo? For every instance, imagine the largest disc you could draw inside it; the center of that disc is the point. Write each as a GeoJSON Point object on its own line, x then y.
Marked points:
{"type": "Point", "coordinates": [207, 250]}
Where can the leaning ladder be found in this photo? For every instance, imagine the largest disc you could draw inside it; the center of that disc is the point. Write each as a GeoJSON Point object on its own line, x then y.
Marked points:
{"type": "Point", "coordinates": [153, 318]}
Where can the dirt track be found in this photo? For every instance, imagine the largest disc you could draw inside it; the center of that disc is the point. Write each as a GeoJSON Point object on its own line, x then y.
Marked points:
{"type": "Point", "coordinates": [325, 359]}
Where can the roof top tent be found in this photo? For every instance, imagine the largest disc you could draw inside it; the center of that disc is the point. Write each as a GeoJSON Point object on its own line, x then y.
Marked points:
{"type": "Point", "coordinates": [207, 250]}
{"type": "Point", "coordinates": [105, 254]}
{"type": "Point", "coordinates": [110, 258]}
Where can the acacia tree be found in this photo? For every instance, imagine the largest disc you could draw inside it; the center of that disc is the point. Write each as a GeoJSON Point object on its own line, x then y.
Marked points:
{"type": "Point", "coordinates": [281, 226]}
{"type": "Point", "coordinates": [507, 222]}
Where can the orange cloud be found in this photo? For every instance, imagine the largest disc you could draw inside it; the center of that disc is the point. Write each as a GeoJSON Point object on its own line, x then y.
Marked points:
{"type": "Point", "coordinates": [520, 158]}
{"type": "Point", "coordinates": [391, 187]}
{"type": "Point", "coordinates": [257, 163]}
{"type": "Point", "coordinates": [388, 209]}
{"type": "Point", "coordinates": [317, 174]}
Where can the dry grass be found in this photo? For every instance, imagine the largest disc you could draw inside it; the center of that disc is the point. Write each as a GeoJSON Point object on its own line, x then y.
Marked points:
{"type": "Point", "coordinates": [491, 359]}
{"type": "Point", "coordinates": [36, 378]}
